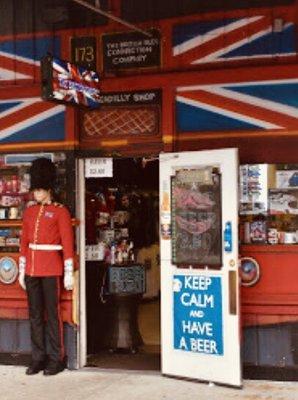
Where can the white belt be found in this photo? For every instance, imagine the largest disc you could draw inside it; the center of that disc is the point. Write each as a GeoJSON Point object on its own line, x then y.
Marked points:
{"type": "Point", "coordinates": [33, 246]}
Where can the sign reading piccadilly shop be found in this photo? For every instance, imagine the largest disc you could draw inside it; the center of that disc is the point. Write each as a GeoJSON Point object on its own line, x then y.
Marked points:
{"type": "Point", "coordinates": [130, 50]}
{"type": "Point", "coordinates": [198, 314]}
{"type": "Point", "coordinates": [139, 97]}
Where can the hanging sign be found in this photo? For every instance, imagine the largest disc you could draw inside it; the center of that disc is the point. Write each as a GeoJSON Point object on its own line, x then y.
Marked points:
{"type": "Point", "coordinates": [130, 50]}
{"type": "Point", "coordinates": [129, 279]}
{"type": "Point", "coordinates": [198, 324]}
{"type": "Point", "coordinates": [99, 168]}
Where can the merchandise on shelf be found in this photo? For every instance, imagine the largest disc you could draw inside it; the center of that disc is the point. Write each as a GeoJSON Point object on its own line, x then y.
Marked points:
{"type": "Point", "coordinates": [253, 189]}
{"type": "Point", "coordinates": [277, 222]}
{"type": "Point", "coordinates": [258, 232]}
{"type": "Point", "coordinates": [287, 179]}
{"type": "Point", "coordinates": [283, 201]}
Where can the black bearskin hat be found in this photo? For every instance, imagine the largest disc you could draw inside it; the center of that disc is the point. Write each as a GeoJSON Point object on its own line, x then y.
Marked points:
{"type": "Point", "coordinates": [43, 174]}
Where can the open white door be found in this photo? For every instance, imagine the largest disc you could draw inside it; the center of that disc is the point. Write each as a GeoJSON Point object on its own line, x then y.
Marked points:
{"type": "Point", "coordinates": [199, 262]}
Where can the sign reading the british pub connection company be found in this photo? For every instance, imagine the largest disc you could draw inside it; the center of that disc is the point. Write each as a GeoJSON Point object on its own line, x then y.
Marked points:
{"type": "Point", "coordinates": [130, 50]}
{"type": "Point", "coordinates": [198, 321]}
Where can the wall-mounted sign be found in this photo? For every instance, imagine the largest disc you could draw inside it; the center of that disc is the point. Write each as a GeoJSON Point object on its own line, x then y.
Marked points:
{"type": "Point", "coordinates": [130, 50]}
{"type": "Point", "coordinates": [136, 97]}
{"type": "Point", "coordinates": [99, 168]}
{"type": "Point", "coordinates": [198, 324]}
{"type": "Point", "coordinates": [123, 114]}
{"type": "Point", "coordinates": [249, 271]}
{"type": "Point", "coordinates": [8, 270]}
{"type": "Point", "coordinates": [83, 51]}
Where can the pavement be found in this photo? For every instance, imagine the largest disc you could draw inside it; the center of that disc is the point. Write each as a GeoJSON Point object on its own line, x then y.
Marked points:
{"type": "Point", "coordinates": [98, 384]}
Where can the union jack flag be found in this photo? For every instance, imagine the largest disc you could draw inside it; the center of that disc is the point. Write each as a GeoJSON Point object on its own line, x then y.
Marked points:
{"type": "Point", "coordinates": [234, 38]}
{"type": "Point", "coordinates": [31, 119]}
{"type": "Point", "coordinates": [250, 105]}
{"type": "Point", "coordinates": [75, 84]}
{"type": "Point", "coordinates": [19, 58]}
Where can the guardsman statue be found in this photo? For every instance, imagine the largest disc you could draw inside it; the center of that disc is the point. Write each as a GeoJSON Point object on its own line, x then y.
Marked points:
{"type": "Point", "coordinates": [46, 259]}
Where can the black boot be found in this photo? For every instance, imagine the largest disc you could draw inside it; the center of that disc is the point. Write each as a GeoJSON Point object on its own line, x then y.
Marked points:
{"type": "Point", "coordinates": [53, 368]}
{"type": "Point", "coordinates": [35, 367]}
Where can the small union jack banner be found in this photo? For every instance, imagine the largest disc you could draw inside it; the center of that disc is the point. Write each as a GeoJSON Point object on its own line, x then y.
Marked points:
{"type": "Point", "coordinates": [73, 84]}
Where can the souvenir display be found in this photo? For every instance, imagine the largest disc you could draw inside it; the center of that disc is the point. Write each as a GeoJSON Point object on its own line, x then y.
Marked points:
{"type": "Point", "coordinates": [258, 232]}
{"type": "Point", "coordinates": [287, 179]}
{"type": "Point", "coordinates": [15, 195]}
{"type": "Point", "coordinates": [253, 188]}
{"type": "Point", "coordinates": [283, 201]}
{"type": "Point", "coordinates": [120, 219]}
{"type": "Point", "coordinates": [268, 204]}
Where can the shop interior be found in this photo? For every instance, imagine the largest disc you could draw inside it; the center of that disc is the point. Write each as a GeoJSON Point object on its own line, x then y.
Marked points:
{"type": "Point", "coordinates": [123, 267]}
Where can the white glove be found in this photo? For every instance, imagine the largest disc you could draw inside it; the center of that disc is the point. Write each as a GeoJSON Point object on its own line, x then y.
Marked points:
{"type": "Point", "coordinates": [22, 267]}
{"type": "Point", "coordinates": [68, 280]}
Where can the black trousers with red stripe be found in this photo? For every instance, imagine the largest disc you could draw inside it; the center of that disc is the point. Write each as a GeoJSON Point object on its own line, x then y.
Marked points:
{"type": "Point", "coordinates": [44, 313]}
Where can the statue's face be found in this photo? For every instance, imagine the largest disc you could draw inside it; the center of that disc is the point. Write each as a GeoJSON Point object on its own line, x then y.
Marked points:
{"type": "Point", "coordinates": [42, 195]}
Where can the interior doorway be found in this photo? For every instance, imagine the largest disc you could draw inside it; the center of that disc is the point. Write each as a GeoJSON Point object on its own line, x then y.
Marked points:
{"type": "Point", "coordinates": [122, 237]}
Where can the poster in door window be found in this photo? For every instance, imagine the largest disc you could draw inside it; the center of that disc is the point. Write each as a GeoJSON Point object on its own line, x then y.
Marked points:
{"type": "Point", "coordinates": [196, 218]}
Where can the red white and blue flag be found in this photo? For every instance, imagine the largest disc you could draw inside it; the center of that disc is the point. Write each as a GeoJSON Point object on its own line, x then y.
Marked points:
{"type": "Point", "coordinates": [31, 119]}
{"type": "Point", "coordinates": [234, 38]}
{"type": "Point", "coordinates": [20, 57]}
{"type": "Point", "coordinates": [250, 105]}
{"type": "Point", "coordinates": [28, 119]}
{"type": "Point", "coordinates": [73, 84]}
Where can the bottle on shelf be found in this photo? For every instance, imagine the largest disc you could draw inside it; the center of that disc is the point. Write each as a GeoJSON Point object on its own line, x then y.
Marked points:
{"type": "Point", "coordinates": [119, 258]}
{"type": "Point", "coordinates": [14, 184]}
{"type": "Point", "coordinates": [131, 255]}
{"type": "Point", "coordinates": [1, 185]}
{"type": "Point", "coordinates": [113, 254]}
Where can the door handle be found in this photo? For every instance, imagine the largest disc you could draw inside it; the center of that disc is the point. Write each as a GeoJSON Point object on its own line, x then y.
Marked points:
{"type": "Point", "coordinates": [233, 292]}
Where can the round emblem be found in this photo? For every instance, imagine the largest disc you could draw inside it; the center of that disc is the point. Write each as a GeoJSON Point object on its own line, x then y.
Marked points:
{"type": "Point", "coordinates": [249, 271]}
{"type": "Point", "coordinates": [8, 270]}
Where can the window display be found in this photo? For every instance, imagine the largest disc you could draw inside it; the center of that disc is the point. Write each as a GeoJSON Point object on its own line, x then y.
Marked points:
{"type": "Point", "coordinates": [15, 195]}
{"type": "Point", "coordinates": [269, 204]}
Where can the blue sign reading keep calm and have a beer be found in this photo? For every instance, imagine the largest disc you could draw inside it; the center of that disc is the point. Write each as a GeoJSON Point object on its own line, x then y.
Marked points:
{"type": "Point", "coordinates": [198, 321]}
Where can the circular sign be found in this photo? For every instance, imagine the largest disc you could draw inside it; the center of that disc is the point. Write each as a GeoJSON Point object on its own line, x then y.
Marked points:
{"type": "Point", "coordinates": [8, 270]}
{"type": "Point", "coordinates": [249, 271]}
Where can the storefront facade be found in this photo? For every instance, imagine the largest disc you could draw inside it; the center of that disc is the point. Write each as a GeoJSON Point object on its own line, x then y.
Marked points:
{"type": "Point", "coordinates": [207, 80]}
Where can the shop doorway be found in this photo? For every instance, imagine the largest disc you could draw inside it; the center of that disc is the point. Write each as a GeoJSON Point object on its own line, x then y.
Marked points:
{"type": "Point", "coordinates": [199, 276]}
{"type": "Point", "coordinates": [122, 317]}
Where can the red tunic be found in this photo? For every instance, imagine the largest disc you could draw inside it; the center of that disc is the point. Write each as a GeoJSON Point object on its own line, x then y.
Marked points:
{"type": "Point", "coordinates": [48, 224]}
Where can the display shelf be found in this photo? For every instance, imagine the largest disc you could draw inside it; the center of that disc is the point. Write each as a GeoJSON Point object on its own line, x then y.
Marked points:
{"type": "Point", "coordinates": [269, 248]}
{"type": "Point", "coordinates": [14, 223]}
{"type": "Point", "coordinates": [7, 254]}
{"type": "Point", "coordinates": [17, 194]}
{"type": "Point", "coordinates": [18, 223]}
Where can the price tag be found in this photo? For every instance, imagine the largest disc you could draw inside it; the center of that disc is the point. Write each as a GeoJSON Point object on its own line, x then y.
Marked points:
{"type": "Point", "coordinates": [99, 168]}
